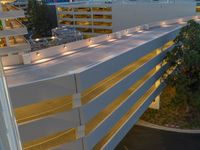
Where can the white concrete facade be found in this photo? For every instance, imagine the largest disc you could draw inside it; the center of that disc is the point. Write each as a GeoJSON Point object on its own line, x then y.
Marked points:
{"type": "Point", "coordinates": [88, 94]}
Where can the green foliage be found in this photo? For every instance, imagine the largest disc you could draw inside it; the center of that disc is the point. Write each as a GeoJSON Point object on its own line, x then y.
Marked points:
{"type": "Point", "coordinates": [39, 21]}
{"type": "Point", "coordinates": [185, 57]}
{"type": "Point", "coordinates": [1, 26]}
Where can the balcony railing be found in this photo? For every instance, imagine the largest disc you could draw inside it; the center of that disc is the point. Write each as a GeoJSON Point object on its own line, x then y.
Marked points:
{"type": "Point", "coordinates": [13, 24]}
{"type": "Point", "coordinates": [16, 44]}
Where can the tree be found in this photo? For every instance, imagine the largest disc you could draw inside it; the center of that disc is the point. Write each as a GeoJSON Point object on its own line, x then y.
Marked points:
{"type": "Point", "coordinates": [185, 58]}
{"type": "Point", "coordinates": [39, 21]}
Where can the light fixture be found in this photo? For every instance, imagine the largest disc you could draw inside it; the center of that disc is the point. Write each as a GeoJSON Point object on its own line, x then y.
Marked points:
{"type": "Point", "coordinates": [112, 40]}
{"type": "Point", "coordinates": [90, 41]}
{"type": "Point", "coordinates": [37, 53]}
{"type": "Point", "coordinates": [181, 21]}
{"type": "Point", "coordinates": [126, 31]}
{"type": "Point", "coordinates": [42, 60]}
{"type": "Point", "coordinates": [163, 24]}
{"type": "Point", "coordinates": [93, 45]}
{"type": "Point", "coordinates": [65, 47]}
{"type": "Point", "coordinates": [196, 17]}
{"type": "Point", "coordinates": [129, 34]}
{"type": "Point", "coordinates": [139, 29]}
{"type": "Point", "coordinates": [37, 39]}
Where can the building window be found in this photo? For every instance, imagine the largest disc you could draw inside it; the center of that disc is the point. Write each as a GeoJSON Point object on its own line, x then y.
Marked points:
{"type": "Point", "coordinates": [66, 22]}
{"type": "Point", "coordinates": [82, 9]}
{"type": "Point", "coordinates": [13, 40]}
{"type": "Point", "coordinates": [84, 29]}
{"type": "Point", "coordinates": [2, 42]}
{"type": "Point", "coordinates": [83, 23]}
{"type": "Point", "coordinates": [197, 8]}
{"type": "Point", "coordinates": [87, 36]}
{"type": "Point", "coordinates": [102, 31]}
{"type": "Point", "coordinates": [64, 9]}
{"type": "Point", "coordinates": [102, 9]}
{"type": "Point", "coordinates": [102, 16]}
{"type": "Point", "coordinates": [82, 16]}
{"type": "Point", "coordinates": [65, 16]}
{"type": "Point", "coordinates": [103, 23]}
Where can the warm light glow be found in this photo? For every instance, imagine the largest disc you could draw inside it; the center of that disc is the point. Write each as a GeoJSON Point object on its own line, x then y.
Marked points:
{"type": "Point", "coordinates": [8, 67]}
{"type": "Point", "coordinates": [139, 30]}
{"type": "Point", "coordinates": [37, 39]}
{"type": "Point", "coordinates": [94, 45]}
{"type": "Point", "coordinates": [129, 34]}
{"type": "Point", "coordinates": [181, 21]}
{"type": "Point", "coordinates": [164, 24]}
{"type": "Point", "coordinates": [196, 17]}
{"type": "Point", "coordinates": [111, 40]}
{"type": "Point", "coordinates": [90, 41]}
{"type": "Point", "coordinates": [108, 36]}
{"type": "Point", "coordinates": [42, 60]}
{"type": "Point", "coordinates": [67, 53]}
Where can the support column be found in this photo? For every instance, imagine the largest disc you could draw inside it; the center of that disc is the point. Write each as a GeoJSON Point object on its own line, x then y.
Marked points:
{"type": "Point", "coordinates": [80, 130]}
{"type": "Point", "coordinates": [4, 27]}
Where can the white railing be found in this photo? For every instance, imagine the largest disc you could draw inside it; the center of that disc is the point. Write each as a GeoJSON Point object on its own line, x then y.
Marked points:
{"type": "Point", "coordinates": [9, 134]}
{"type": "Point", "coordinates": [52, 52]}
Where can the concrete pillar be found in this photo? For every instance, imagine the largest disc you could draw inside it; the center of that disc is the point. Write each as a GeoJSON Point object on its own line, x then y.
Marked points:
{"type": "Point", "coordinates": [4, 27]}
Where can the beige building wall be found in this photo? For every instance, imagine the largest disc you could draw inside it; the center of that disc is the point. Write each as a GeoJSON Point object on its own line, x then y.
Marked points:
{"type": "Point", "coordinates": [129, 15]}
{"type": "Point", "coordinates": [120, 15]}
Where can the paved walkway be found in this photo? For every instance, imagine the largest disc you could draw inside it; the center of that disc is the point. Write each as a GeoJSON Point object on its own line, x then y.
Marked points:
{"type": "Point", "coordinates": [142, 138]}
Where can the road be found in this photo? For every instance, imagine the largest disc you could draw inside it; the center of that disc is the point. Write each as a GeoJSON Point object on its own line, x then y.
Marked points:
{"type": "Point", "coordinates": [142, 138]}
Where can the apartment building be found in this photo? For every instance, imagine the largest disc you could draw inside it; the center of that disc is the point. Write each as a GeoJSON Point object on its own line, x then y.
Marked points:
{"type": "Point", "coordinates": [95, 18]}
{"type": "Point", "coordinates": [12, 31]}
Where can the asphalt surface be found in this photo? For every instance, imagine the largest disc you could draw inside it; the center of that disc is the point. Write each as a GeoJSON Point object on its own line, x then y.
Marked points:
{"type": "Point", "coordinates": [142, 138]}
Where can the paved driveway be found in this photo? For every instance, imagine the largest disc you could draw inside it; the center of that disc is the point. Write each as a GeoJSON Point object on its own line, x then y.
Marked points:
{"type": "Point", "coordinates": [142, 138]}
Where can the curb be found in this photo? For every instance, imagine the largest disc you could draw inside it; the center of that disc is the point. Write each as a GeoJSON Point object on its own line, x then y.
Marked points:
{"type": "Point", "coordinates": [158, 127]}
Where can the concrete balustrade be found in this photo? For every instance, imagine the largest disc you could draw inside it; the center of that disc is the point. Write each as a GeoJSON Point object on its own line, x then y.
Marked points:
{"type": "Point", "coordinates": [74, 46]}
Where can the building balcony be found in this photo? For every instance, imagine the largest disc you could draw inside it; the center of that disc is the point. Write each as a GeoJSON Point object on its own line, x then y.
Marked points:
{"type": "Point", "coordinates": [9, 11]}
{"type": "Point", "coordinates": [17, 44]}
{"type": "Point", "coordinates": [13, 28]}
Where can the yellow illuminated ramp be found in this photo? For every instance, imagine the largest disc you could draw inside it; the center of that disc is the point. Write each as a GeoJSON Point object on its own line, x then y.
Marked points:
{"type": "Point", "coordinates": [51, 141]}
{"type": "Point", "coordinates": [43, 109]}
